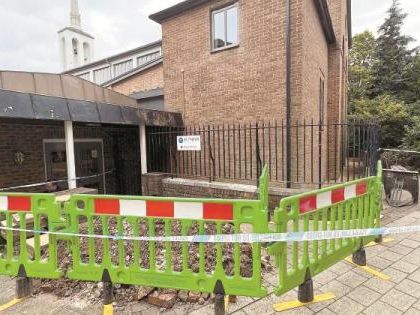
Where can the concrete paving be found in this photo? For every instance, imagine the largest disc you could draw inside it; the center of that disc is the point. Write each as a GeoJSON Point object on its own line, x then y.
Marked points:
{"type": "Point", "coordinates": [357, 292]}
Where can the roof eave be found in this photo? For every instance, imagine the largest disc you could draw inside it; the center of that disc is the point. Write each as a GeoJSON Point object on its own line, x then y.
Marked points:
{"type": "Point", "coordinates": [179, 8]}
{"type": "Point", "coordinates": [327, 25]}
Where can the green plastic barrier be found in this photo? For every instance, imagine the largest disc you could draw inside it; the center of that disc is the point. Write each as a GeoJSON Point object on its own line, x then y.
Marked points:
{"type": "Point", "coordinates": [29, 212]}
{"type": "Point", "coordinates": [353, 205]}
{"type": "Point", "coordinates": [94, 227]}
{"type": "Point", "coordinates": [139, 216]}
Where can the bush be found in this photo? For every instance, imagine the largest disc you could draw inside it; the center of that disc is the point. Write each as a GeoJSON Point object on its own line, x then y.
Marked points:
{"type": "Point", "coordinates": [390, 113]}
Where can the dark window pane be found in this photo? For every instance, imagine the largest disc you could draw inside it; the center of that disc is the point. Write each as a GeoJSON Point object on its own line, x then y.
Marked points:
{"type": "Point", "coordinates": [232, 26]}
{"type": "Point", "coordinates": [219, 29]}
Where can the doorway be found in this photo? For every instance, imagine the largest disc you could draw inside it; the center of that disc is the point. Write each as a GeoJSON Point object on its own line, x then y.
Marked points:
{"type": "Point", "coordinates": [89, 158]}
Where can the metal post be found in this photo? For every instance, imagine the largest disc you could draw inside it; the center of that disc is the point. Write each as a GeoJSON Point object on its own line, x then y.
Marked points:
{"type": "Point", "coordinates": [143, 148]}
{"type": "Point", "coordinates": [71, 163]}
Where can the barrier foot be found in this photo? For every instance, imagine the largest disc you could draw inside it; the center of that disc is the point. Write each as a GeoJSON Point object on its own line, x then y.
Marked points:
{"type": "Point", "coordinates": [306, 291]}
{"type": "Point", "coordinates": [285, 306]}
{"type": "Point", "coordinates": [24, 287]}
{"type": "Point", "coordinates": [359, 257]}
{"type": "Point", "coordinates": [220, 302]}
{"type": "Point", "coordinates": [383, 240]}
{"type": "Point", "coordinates": [370, 270]}
{"type": "Point", "coordinates": [379, 239]}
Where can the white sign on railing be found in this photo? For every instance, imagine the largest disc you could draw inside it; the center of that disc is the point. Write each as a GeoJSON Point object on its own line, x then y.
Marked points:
{"type": "Point", "coordinates": [188, 143]}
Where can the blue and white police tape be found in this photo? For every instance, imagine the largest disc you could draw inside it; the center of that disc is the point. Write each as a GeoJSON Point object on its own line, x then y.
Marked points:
{"type": "Point", "coordinates": [241, 238]}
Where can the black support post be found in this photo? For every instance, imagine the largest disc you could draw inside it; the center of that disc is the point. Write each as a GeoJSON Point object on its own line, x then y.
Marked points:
{"type": "Point", "coordinates": [107, 294]}
{"type": "Point", "coordinates": [359, 257]}
{"type": "Point", "coordinates": [24, 287]}
{"type": "Point", "coordinates": [306, 291]}
{"type": "Point", "coordinates": [219, 299]}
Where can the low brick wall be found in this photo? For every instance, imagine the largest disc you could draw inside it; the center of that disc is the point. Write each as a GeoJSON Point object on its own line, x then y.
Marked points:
{"type": "Point", "coordinates": [158, 184]}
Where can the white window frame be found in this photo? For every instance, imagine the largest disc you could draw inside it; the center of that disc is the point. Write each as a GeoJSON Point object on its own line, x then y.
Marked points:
{"type": "Point", "coordinates": [213, 13]}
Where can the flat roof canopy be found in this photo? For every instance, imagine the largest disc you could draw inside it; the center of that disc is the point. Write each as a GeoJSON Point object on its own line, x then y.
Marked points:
{"type": "Point", "coordinates": [32, 106]}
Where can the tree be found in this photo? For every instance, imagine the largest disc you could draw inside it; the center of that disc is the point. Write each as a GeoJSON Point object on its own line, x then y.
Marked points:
{"type": "Point", "coordinates": [392, 54]}
{"type": "Point", "coordinates": [361, 60]}
{"type": "Point", "coordinates": [412, 78]}
{"type": "Point", "coordinates": [411, 140]}
{"type": "Point", "coordinates": [390, 113]}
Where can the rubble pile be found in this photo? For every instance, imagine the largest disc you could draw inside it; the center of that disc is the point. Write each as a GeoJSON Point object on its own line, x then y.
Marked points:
{"type": "Point", "coordinates": [165, 298]}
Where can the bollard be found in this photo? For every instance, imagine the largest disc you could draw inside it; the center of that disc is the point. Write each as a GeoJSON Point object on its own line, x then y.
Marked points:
{"type": "Point", "coordinates": [219, 299]}
{"type": "Point", "coordinates": [24, 287]}
{"type": "Point", "coordinates": [359, 257]}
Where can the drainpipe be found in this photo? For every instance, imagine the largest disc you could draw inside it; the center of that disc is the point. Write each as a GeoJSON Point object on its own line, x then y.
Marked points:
{"type": "Point", "coordinates": [288, 96]}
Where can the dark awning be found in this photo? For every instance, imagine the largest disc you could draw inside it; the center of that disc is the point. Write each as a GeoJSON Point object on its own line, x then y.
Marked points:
{"type": "Point", "coordinates": [33, 106]}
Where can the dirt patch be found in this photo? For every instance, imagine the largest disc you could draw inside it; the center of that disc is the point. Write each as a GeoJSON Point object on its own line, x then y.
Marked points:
{"type": "Point", "coordinates": [131, 253]}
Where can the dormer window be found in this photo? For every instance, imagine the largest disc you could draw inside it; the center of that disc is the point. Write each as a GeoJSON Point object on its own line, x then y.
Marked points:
{"type": "Point", "coordinates": [225, 27]}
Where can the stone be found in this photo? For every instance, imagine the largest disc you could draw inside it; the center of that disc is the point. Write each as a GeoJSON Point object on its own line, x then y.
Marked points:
{"type": "Point", "coordinates": [193, 297]}
{"type": "Point", "coordinates": [183, 295]}
{"type": "Point", "coordinates": [144, 292]}
{"type": "Point", "coordinates": [205, 295]}
{"type": "Point", "coordinates": [162, 300]}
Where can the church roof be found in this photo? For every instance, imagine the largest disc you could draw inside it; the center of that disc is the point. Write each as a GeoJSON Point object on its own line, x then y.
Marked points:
{"type": "Point", "coordinates": [76, 30]}
{"type": "Point", "coordinates": [115, 57]}
{"type": "Point", "coordinates": [134, 71]}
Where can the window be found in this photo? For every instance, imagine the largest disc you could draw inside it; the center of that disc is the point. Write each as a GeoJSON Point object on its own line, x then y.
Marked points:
{"type": "Point", "coordinates": [123, 67]}
{"type": "Point", "coordinates": [146, 58]}
{"type": "Point", "coordinates": [102, 75]}
{"type": "Point", "coordinates": [225, 26]}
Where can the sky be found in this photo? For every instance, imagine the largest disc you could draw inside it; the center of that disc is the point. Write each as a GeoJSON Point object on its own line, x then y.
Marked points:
{"type": "Point", "coordinates": [29, 40]}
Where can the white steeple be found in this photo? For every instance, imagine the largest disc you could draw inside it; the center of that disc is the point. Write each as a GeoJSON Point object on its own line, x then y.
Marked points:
{"type": "Point", "coordinates": [75, 20]}
{"type": "Point", "coordinates": [76, 46]}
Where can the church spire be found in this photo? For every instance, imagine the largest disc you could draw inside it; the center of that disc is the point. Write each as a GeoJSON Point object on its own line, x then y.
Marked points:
{"type": "Point", "coordinates": [75, 20]}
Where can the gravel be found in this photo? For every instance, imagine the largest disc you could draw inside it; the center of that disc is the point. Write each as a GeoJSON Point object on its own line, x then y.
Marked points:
{"type": "Point", "coordinates": [124, 294]}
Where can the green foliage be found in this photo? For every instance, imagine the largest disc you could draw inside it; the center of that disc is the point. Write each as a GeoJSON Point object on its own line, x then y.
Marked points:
{"type": "Point", "coordinates": [362, 58]}
{"type": "Point", "coordinates": [411, 140]}
{"type": "Point", "coordinates": [411, 94]}
{"type": "Point", "coordinates": [390, 113]}
{"type": "Point", "coordinates": [392, 54]}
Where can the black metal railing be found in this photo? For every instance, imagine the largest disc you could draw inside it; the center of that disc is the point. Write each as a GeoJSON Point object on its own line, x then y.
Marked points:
{"type": "Point", "coordinates": [321, 154]}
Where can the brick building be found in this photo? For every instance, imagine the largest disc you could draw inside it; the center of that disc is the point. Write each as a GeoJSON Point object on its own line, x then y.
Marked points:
{"type": "Point", "coordinates": [244, 62]}
{"type": "Point", "coordinates": [56, 127]}
{"type": "Point", "coordinates": [228, 60]}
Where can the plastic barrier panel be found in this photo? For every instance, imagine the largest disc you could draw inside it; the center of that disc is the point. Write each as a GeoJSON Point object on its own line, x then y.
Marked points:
{"type": "Point", "coordinates": [176, 265]}
{"type": "Point", "coordinates": [354, 205]}
{"type": "Point", "coordinates": [20, 215]}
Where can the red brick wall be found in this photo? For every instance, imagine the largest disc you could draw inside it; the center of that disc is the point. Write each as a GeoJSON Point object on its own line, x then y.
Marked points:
{"type": "Point", "coordinates": [147, 80]}
{"type": "Point", "coordinates": [240, 84]}
{"type": "Point", "coordinates": [248, 83]}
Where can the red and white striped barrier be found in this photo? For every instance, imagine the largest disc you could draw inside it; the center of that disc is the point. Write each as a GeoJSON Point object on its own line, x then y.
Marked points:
{"type": "Point", "coordinates": [165, 209]}
{"type": "Point", "coordinates": [329, 198]}
{"type": "Point", "coordinates": [15, 203]}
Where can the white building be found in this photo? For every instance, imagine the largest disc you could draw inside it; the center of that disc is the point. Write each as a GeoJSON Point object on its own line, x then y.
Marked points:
{"type": "Point", "coordinates": [105, 70]}
{"type": "Point", "coordinates": [76, 46]}
{"type": "Point", "coordinates": [76, 51]}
